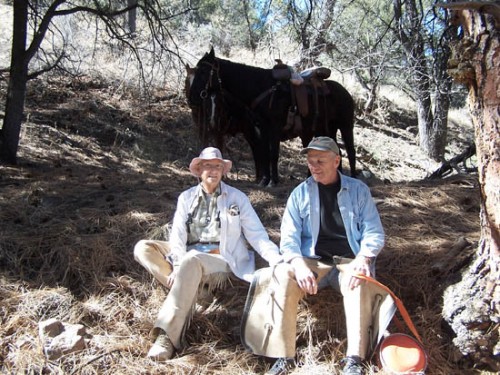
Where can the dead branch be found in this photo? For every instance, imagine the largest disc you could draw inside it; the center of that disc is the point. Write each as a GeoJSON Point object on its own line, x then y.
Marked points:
{"type": "Point", "coordinates": [93, 359]}
{"type": "Point", "coordinates": [447, 167]}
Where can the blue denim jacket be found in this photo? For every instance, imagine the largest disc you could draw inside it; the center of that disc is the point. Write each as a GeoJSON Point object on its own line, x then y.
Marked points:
{"type": "Point", "coordinates": [300, 224]}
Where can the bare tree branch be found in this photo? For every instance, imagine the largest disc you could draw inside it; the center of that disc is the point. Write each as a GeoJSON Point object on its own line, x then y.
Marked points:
{"type": "Point", "coordinates": [42, 30]}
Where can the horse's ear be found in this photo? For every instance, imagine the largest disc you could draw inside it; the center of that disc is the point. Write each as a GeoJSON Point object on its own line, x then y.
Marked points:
{"type": "Point", "coordinates": [212, 52]}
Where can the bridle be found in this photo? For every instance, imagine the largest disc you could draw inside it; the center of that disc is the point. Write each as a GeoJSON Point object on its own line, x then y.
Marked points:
{"type": "Point", "coordinates": [210, 86]}
{"type": "Point", "coordinates": [207, 114]}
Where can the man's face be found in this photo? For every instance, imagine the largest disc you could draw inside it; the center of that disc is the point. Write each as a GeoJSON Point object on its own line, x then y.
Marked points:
{"type": "Point", "coordinates": [211, 172]}
{"type": "Point", "coordinates": [323, 166]}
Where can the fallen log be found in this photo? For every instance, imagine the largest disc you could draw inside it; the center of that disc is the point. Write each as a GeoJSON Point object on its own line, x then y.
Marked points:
{"type": "Point", "coordinates": [447, 167]}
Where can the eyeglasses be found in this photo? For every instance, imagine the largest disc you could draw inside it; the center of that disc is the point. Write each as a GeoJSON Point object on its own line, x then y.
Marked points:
{"type": "Point", "coordinates": [217, 167]}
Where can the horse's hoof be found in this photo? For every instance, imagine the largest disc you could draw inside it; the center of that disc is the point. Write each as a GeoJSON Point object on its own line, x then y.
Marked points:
{"type": "Point", "coordinates": [264, 182]}
{"type": "Point", "coordinates": [272, 184]}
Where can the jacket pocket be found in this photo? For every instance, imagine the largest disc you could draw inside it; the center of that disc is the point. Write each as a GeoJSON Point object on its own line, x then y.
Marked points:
{"type": "Point", "coordinates": [233, 225]}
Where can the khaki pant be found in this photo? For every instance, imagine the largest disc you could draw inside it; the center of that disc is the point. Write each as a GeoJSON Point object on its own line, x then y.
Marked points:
{"type": "Point", "coordinates": [195, 268]}
{"type": "Point", "coordinates": [269, 324]}
{"type": "Point", "coordinates": [152, 255]}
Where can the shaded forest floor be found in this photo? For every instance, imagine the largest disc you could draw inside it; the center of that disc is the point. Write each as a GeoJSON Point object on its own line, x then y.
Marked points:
{"type": "Point", "coordinates": [99, 171]}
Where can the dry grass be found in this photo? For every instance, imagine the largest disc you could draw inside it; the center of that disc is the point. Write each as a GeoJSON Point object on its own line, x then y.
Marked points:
{"type": "Point", "coordinates": [96, 176]}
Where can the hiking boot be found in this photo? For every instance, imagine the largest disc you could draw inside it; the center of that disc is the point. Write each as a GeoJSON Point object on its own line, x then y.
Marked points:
{"type": "Point", "coordinates": [353, 366]}
{"type": "Point", "coordinates": [281, 367]}
{"type": "Point", "coordinates": [162, 349]}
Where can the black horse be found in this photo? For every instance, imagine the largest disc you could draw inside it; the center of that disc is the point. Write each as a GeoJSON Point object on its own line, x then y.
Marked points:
{"type": "Point", "coordinates": [258, 105]}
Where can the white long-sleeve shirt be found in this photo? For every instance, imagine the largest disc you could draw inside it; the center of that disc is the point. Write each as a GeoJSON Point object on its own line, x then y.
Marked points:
{"type": "Point", "coordinates": [239, 222]}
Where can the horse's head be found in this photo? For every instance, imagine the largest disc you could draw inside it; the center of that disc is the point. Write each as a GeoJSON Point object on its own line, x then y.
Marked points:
{"type": "Point", "coordinates": [205, 79]}
{"type": "Point", "coordinates": [188, 82]}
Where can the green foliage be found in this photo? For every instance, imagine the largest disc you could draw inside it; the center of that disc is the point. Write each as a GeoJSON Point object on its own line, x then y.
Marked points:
{"type": "Point", "coordinates": [362, 38]}
{"type": "Point", "coordinates": [222, 23]}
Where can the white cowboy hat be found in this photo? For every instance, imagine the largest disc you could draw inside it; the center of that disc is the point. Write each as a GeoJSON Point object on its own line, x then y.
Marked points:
{"type": "Point", "coordinates": [209, 153]}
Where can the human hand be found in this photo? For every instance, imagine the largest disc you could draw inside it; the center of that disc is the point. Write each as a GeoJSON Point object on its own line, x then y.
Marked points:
{"type": "Point", "coordinates": [360, 265]}
{"type": "Point", "coordinates": [305, 276]}
{"type": "Point", "coordinates": [171, 278]}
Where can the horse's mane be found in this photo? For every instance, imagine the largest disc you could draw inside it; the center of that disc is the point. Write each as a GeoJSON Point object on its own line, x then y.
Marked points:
{"type": "Point", "coordinates": [246, 81]}
{"type": "Point", "coordinates": [239, 67]}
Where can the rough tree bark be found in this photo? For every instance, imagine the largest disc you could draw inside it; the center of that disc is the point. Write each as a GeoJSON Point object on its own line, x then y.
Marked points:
{"type": "Point", "coordinates": [472, 306]}
{"type": "Point", "coordinates": [16, 91]}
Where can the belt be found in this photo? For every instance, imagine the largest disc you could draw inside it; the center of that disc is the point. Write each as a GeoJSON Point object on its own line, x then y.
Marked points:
{"type": "Point", "coordinates": [206, 247]}
{"type": "Point", "coordinates": [211, 251]}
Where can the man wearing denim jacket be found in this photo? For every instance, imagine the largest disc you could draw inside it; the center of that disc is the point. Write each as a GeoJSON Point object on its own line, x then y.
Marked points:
{"type": "Point", "coordinates": [329, 219]}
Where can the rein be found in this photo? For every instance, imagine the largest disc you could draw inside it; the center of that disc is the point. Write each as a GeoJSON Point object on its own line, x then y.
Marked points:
{"type": "Point", "coordinates": [213, 68]}
{"type": "Point", "coordinates": [209, 107]}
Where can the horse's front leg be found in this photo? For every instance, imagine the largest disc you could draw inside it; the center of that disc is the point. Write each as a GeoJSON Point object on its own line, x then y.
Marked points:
{"type": "Point", "coordinates": [253, 137]}
{"type": "Point", "coordinates": [265, 173]}
{"type": "Point", "coordinates": [257, 159]}
{"type": "Point", "coordinates": [274, 158]}
{"type": "Point", "coordinates": [265, 178]}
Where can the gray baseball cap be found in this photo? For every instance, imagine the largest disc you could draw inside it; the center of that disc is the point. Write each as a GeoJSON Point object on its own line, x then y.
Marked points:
{"type": "Point", "coordinates": [322, 144]}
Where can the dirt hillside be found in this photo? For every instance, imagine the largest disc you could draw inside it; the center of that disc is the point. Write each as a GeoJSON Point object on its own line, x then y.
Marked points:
{"type": "Point", "coordinates": [99, 171]}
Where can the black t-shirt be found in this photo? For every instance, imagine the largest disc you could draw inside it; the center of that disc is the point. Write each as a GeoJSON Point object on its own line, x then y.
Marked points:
{"type": "Point", "coordinates": [332, 238]}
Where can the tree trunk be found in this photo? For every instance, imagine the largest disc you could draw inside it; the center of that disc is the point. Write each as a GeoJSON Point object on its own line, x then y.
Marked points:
{"type": "Point", "coordinates": [472, 306]}
{"type": "Point", "coordinates": [16, 91]}
{"type": "Point", "coordinates": [424, 109]}
{"type": "Point", "coordinates": [372, 96]}
{"type": "Point", "coordinates": [132, 17]}
{"type": "Point", "coordinates": [432, 126]}
{"type": "Point", "coordinates": [443, 83]}
{"type": "Point", "coordinates": [439, 128]}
